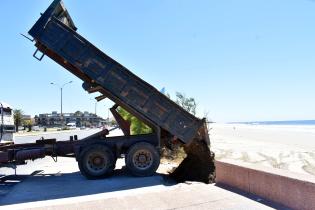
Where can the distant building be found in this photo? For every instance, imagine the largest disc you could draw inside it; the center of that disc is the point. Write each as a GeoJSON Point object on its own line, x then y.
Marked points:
{"type": "Point", "coordinates": [27, 117]}
{"type": "Point", "coordinates": [80, 118]}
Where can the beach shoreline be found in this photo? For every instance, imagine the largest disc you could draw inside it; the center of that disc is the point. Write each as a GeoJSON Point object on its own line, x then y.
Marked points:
{"type": "Point", "coordinates": [286, 147]}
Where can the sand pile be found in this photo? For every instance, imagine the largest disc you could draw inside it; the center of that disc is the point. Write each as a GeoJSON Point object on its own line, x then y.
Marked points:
{"type": "Point", "coordinates": [197, 166]}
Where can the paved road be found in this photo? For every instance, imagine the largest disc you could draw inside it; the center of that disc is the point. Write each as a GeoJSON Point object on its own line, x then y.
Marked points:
{"type": "Point", "coordinates": [62, 135]}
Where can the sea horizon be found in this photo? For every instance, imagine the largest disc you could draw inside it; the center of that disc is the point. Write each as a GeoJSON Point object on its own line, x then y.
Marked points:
{"type": "Point", "coordinates": [278, 122]}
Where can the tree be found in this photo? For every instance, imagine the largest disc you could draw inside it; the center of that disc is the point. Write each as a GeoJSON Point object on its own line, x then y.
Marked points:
{"type": "Point", "coordinates": [112, 122]}
{"type": "Point", "coordinates": [137, 126]}
{"type": "Point", "coordinates": [28, 124]}
{"type": "Point", "coordinates": [189, 104]}
{"type": "Point", "coordinates": [78, 114]}
{"type": "Point", "coordinates": [18, 116]}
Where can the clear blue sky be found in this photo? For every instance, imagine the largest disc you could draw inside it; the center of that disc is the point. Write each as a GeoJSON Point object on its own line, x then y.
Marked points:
{"type": "Point", "coordinates": [241, 60]}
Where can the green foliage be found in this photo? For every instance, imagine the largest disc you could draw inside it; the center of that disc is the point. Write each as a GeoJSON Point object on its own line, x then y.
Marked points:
{"type": "Point", "coordinates": [28, 124]}
{"type": "Point", "coordinates": [137, 126]}
{"type": "Point", "coordinates": [113, 122]}
{"type": "Point", "coordinates": [189, 104]}
{"type": "Point", "coordinates": [78, 113]}
{"type": "Point", "coordinates": [18, 116]}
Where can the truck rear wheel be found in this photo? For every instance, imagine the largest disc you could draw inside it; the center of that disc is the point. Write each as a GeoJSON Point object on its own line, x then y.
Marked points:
{"type": "Point", "coordinates": [96, 161]}
{"type": "Point", "coordinates": [142, 159]}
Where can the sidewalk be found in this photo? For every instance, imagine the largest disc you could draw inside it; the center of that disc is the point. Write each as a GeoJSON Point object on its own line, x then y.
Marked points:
{"type": "Point", "coordinates": [60, 186]}
{"type": "Point", "coordinates": [181, 196]}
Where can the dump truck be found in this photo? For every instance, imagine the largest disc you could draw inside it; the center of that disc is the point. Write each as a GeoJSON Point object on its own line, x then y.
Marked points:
{"type": "Point", "coordinates": [55, 35]}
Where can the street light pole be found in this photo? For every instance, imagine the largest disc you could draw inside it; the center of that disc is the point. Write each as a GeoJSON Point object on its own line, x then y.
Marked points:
{"type": "Point", "coordinates": [95, 106]}
{"type": "Point", "coordinates": [61, 89]}
{"type": "Point", "coordinates": [61, 101]}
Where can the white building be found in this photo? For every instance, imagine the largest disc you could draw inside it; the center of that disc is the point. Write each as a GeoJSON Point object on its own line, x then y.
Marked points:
{"type": "Point", "coordinates": [7, 127]}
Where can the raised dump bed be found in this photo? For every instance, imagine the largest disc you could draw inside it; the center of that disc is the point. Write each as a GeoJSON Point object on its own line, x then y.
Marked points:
{"type": "Point", "coordinates": [55, 36]}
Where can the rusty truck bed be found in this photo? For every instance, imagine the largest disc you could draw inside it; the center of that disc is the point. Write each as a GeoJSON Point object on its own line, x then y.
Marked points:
{"type": "Point", "coordinates": [55, 36]}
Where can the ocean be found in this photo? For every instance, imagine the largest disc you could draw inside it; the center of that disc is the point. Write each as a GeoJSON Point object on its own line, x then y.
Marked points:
{"type": "Point", "coordinates": [289, 122]}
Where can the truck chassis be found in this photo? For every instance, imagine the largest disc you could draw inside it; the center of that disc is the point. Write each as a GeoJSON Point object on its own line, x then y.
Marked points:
{"type": "Point", "coordinates": [96, 154]}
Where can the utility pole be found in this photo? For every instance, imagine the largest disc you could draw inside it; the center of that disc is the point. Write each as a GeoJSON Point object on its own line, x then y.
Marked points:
{"type": "Point", "coordinates": [95, 105]}
{"type": "Point", "coordinates": [61, 89]}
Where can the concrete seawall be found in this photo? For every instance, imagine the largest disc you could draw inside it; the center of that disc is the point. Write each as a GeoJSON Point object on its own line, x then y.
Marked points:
{"type": "Point", "coordinates": [296, 191]}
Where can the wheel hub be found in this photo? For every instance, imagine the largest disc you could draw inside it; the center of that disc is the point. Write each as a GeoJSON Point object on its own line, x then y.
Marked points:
{"type": "Point", "coordinates": [96, 162]}
{"type": "Point", "coordinates": [142, 159]}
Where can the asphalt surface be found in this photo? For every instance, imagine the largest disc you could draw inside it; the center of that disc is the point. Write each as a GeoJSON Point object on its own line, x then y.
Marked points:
{"type": "Point", "coordinates": [60, 136]}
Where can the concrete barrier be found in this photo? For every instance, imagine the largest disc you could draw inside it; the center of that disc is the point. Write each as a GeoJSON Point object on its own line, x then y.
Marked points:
{"type": "Point", "coordinates": [296, 191]}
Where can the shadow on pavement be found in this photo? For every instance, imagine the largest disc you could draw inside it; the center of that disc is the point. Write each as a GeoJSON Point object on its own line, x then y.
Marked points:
{"type": "Point", "coordinates": [40, 187]}
{"type": "Point", "coordinates": [7, 182]}
{"type": "Point", "coordinates": [253, 197]}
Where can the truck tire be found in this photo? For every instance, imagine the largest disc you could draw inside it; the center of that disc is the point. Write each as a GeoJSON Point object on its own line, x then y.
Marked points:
{"type": "Point", "coordinates": [142, 159]}
{"type": "Point", "coordinates": [96, 161]}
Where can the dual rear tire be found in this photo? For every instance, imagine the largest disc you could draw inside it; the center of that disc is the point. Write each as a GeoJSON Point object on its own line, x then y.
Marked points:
{"type": "Point", "coordinates": [142, 159]}
{"type": "Point", "coordinates": [98, 161]}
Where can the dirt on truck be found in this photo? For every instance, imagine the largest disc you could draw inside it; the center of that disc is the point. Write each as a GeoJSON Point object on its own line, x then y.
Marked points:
{"type": "Point", "coordinates": [55, 35]}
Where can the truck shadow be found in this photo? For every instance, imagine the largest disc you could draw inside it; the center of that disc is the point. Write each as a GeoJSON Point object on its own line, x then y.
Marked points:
{"type": "Point", "coordinates": [41, 187]}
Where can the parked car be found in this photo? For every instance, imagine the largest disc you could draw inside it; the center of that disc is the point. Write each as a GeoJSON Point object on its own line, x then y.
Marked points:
{"type": "Point", "coordinates": [72, 126]}
{"type": "Point", "coordinates": [36, 128]}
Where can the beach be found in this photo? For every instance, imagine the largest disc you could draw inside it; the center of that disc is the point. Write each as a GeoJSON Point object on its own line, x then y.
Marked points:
{"type": "Point", "coordinates": [290, 147]}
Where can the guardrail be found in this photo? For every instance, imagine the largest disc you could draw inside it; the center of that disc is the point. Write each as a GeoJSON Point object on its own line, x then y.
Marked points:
{"type": "Point", "coordinates": [296, 191]}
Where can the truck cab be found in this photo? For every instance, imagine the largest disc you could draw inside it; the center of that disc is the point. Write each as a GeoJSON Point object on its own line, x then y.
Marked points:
{"type": "Point", "coordinates": [7, 128]}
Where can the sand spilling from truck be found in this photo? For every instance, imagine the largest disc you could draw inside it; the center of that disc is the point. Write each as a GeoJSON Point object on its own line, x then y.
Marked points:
{"type": "Point", "coordinates": [198, 164]}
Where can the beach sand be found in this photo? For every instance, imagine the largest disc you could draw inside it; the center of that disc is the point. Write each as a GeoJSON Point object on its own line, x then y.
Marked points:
{"type": "Point", "coordinates": [285, 147]}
